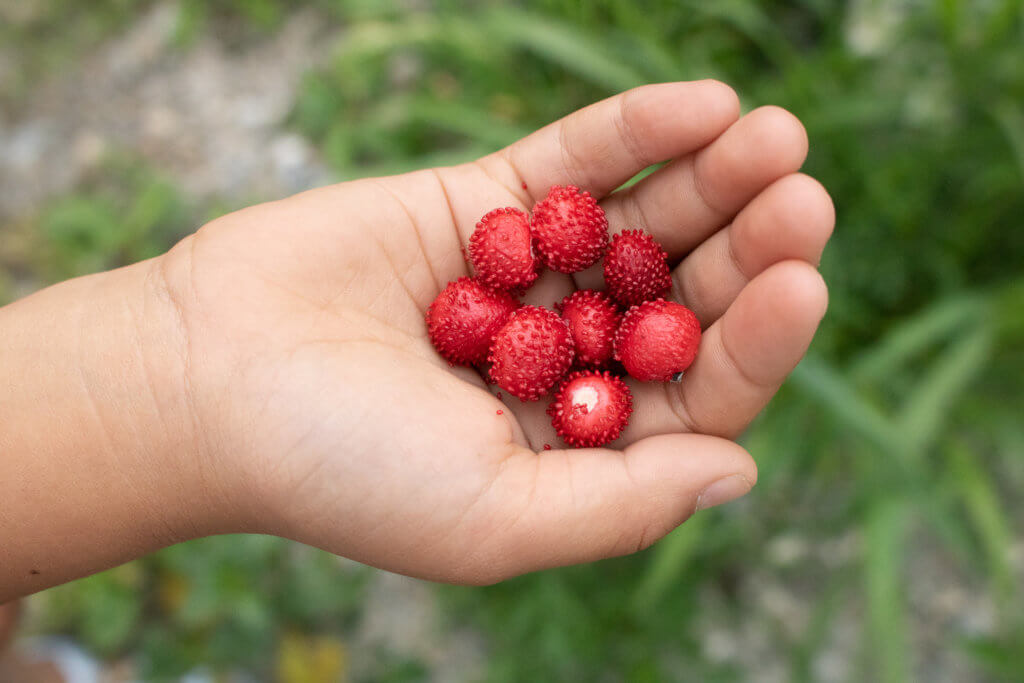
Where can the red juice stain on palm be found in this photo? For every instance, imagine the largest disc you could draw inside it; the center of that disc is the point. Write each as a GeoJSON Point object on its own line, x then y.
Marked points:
{"type": "Point", "coordinates": [547, 447]}
{"type": "Point", "coordinates": [501, 412]}
{"type": "Point", "coordinates": [524, 185]}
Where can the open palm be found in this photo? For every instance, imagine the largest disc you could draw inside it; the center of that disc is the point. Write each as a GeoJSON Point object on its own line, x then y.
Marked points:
{"type": "Point", "coordinates": [323, 413]}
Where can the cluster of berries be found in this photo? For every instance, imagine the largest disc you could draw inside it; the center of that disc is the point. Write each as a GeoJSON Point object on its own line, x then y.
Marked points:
{"type": "Point", "coordinates": [531, 349]}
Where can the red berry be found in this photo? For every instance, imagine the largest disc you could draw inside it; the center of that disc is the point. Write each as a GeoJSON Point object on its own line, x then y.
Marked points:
{"type": "Point", "coordinates": [591, 408]}
{"type": "Point", "coordinates": [570, 229]}
{"type": "Point", "coordinates": [501, 249]}
{"type": "Point", "coordinates": [463, 318]}
{"type": "Point", "coordinates": [657, 340]}
{"type": "Point", "coordinates": [593, 319]}
{"type": "Point", "coordinates": [531, 352]}
{"type": "Point", "coordinates": [636, 268]}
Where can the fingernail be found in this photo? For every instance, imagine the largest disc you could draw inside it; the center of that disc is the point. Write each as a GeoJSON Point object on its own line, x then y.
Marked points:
{"type": "Point", "coordinates": [722, 491]}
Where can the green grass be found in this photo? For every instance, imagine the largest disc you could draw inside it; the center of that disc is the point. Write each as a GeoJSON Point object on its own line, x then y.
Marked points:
{"type": "Point", "coordinates": [893, 427]}
{"type": "Point", "coordinates": [900, 430]}
{"type": "Point", "coordinates": [222, 602]}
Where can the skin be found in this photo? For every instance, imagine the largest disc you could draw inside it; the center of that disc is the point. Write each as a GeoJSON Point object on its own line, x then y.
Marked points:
{"type": "Point", "coordinates": [272, 372]}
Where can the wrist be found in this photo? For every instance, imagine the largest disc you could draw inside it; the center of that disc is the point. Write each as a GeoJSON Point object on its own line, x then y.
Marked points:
{"type": "Point", "coordinates": [162, 435]}
{"type": "Point", "coordinates": [101, 463]}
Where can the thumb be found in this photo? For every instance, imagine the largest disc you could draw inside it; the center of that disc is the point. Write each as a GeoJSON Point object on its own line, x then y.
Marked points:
{"type": "Point", "coordinates": [565, 507]}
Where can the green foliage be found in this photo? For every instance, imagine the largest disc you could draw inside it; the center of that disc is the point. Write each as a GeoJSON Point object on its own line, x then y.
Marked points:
{"type": "Point", "coordinates": [127, 213]}
{"type": "Point", "coordinates": [896, 423]}
{"type": "Point", "coordinates": [219, 602]}
{"type": "Point", "coordinates": [884, 122]}
{"type": "Point", "coordinates": [885, 532]}
{"type": "Point", "coordinates": [103, 609]}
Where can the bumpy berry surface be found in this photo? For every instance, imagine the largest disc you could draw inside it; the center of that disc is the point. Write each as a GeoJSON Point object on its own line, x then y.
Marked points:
{"type": "Point", "coordinates": [636, 268]}
{"type": "Point", "coordinates": [463, 319]}
{"type": "Point", "coordinates": [593, 319]}
{"type": "Point", "coordinates": [569, 228]}
{"type": "Point", "coordinates": [501, 249]}
{"type": "Point", "coordinates": [591, 408]}
{"type": "Point", "coordinates": [531, 352]}
{"type": "Point", "coordinates": [657, 339]}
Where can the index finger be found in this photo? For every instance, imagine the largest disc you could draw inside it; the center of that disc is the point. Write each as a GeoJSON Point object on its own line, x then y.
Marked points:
{"type": "Point", "coordinates": [600, 147]}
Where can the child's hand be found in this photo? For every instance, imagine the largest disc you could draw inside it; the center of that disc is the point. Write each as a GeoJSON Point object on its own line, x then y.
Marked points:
{"type": "Point", "coordinates": [321, 411]}
{"type": "Point", "coordinates": [272, 373]}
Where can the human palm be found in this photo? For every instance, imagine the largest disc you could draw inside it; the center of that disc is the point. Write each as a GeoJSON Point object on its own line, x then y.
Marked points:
{"type": "Point", "coordinates": [323, 413]}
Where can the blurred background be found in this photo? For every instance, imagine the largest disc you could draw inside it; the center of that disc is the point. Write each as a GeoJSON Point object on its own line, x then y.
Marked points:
{"type": "Point", "coordinates": [885, 540]}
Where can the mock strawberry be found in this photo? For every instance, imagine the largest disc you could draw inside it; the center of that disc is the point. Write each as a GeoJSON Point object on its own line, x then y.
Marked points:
{"type": "Point", "coordinates": [657, 340]}
{"type": "Point", "coordinates": [591, 408]}
{"type": "Point", "coordinates": [636, 268]}
{"type": "Point", "coordinates": [501, 249]}
{"type": "Point", "coordinates": [531, 352]}
{"type": "Point", "coordinates": [463, 319]}
{"type": "Point", "coordinates": [569, 228]}
{"type": "Point", "coordinates": [593, 319]}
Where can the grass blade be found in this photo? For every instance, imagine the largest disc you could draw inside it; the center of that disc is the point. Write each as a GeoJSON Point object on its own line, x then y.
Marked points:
{"type": "Point", "coordinates": [815, 377]}
{"type": "Point", "coordinates": [987, 517]}
{"type": "Point", "coordinates": [927, 406]}
{"type": "Point", "coordinates": [916, 334]}
{"type": "Point", "coordinates": [884, 534]}
{"type": "Point", "coordinates": [480, 126]}
{"type": "Point", "coordinates": [670, 559]}
{"type": "Point", "coordinates": [376, 38]}
{"type": "Point", "coordinates": [563, 44]}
